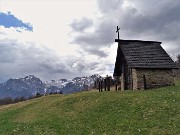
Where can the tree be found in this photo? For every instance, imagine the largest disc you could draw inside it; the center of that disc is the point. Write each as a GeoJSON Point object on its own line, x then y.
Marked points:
{"type": "Point", "coordinates": [19, 99]}
{"type": "Point", "coordinates": [38, 95]}
{"type": "Point", "coordinates": [6, 101]}
{"type": "Point", "coordinates": [60, 92]}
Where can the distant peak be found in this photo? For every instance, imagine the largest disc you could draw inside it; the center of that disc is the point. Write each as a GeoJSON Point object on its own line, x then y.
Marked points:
{"type": "Point", "coordinates": [30, 76]}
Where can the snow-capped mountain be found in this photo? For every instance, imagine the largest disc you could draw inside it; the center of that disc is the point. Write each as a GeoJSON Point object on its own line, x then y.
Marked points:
{"type": "Point", "coordinates": [69, 86]}
{"type": "Point", "coordinates": [80, 83]}
{"type": "Point", "coordinates": [30, 85]}
{"type": "Point", "coordinates": [58, 83]}
{"type": "Point", "coordinates": [22, 87]}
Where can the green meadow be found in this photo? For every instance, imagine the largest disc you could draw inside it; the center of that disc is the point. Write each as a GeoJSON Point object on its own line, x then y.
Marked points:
{"type": "Point", "coordinates": [154, 112]}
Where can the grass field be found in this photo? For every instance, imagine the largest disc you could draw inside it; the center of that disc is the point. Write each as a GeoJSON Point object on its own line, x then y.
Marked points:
{"type": "Point", "coordinates": [155, 111]}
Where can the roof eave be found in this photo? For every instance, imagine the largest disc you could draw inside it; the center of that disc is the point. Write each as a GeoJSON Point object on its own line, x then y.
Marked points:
{"type": "Point", "coordinates": [121, 40]}
{"type": "Point", "coordinates": [154, 67]}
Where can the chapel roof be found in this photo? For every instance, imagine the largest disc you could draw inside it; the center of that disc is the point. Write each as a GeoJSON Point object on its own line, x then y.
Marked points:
{"type": "Point", "coordinates": [143, 54]}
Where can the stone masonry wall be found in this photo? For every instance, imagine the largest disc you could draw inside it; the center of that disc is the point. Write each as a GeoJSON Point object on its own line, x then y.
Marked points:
{"type": "Point", "coordinates": [154, 78]}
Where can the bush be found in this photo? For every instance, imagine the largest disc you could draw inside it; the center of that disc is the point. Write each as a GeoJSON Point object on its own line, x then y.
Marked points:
{"type": "Point", "coordinates": [6, 101]}
{"type": "Point", "coordinates": [61, 92]}
{"type": "Point", "coordinates": [38, 95]}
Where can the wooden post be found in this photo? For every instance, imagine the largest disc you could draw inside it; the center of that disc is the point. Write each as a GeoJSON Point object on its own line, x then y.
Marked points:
{"type": "Point", "coordinates": [144, 80]}
{"type": "Point", "coordinates": [116, 87]}
{"type": "Point", "coordinates": [105, 83]}
{"type": "Point", "coordinates": [108, 83]}
{"type": "Point", "coordinates": [101, 85]}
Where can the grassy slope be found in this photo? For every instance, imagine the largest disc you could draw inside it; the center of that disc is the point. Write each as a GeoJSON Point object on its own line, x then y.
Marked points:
{"type": "Point", "coordinates": [129, 112]}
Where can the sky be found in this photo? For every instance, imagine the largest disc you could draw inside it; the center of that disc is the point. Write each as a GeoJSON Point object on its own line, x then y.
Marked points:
{"type": "Point", "coordinates": [54, 39]}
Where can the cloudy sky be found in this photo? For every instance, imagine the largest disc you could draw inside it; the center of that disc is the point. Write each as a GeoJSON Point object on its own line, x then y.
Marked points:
{"type": "Point", "coordinates": [55, 39]}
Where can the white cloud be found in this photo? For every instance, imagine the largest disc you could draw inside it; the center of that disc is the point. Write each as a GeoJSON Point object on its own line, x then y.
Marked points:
{"type": "Point", "coordinates": [50, 20]}
{"type": "Point", "coordinates": [64, 45]}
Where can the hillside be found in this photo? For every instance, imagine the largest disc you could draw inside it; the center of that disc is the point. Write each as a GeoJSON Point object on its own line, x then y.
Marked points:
{"type": "Point", "coordinates": [154, 111]}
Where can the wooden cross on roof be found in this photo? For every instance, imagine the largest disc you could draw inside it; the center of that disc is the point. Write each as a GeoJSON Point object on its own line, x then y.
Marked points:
{"type": "Point", "coordinates": [117, 31]}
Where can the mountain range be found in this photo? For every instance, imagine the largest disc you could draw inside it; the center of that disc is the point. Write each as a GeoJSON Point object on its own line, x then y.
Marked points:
{"type": "Point", "coordinates": [31, 85]}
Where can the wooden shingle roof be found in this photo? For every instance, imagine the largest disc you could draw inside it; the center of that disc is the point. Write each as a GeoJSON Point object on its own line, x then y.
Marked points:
{"type": "Point", "coordinates": [144, 54]}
